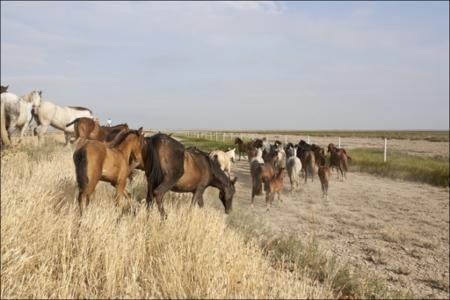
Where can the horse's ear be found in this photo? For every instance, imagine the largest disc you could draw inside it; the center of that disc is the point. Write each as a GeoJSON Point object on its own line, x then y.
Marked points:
{"type": "Point", "coordinates": [140, 130]}
{"type": "Point", "coordinates": [233, 181]}
{"type": "Point", "coordinates": [40, 93]}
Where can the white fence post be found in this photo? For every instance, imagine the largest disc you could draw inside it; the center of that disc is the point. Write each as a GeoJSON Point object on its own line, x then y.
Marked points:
{"type": "Point", "coordinates": [285, 140]}
{"type": "Point", "coordinates": [339, 142]}
{"type": "Point", "coordinates": [308, 139]}
{"type": "Point", "coordinates": [385, 149]}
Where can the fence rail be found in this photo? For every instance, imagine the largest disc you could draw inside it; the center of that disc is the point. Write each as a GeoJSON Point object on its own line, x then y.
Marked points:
{"type": "Point", "coordinates": [224, 136]}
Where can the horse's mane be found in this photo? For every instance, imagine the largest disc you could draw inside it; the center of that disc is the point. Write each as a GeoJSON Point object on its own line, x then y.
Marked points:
{"type": "Point", "coordinates": [81, 108]}
{"type": "Point", "coordinates": [118, 125]}
{"type": "Point", "coordinates": [121, 137]}
{"type": "Point", "coordinates": [237, 140]}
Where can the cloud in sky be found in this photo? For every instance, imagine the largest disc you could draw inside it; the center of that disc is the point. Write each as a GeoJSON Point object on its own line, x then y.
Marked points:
{"type": "Point", "coordinates": [236, 65]}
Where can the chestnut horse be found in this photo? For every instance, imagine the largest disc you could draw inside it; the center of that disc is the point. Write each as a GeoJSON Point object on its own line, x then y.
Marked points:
{"type": "Point", "coordinates": [95, 161]}
{"type": "Point", "coordinates": [262, 173]}
{"type": "Point", "coordinates": [171, 167]}
{"type": "Point", "coordinates": [339, 160]}
{"type": "Point", "coordinates": [87, 128]}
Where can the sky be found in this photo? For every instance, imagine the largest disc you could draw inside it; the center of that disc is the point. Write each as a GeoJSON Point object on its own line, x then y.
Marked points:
{"type": "Point", "coordinates": [235, 65]}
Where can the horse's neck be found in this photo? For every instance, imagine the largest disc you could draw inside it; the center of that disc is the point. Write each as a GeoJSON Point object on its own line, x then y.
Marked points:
{"type": "Point", "coordinates": [125, 148]}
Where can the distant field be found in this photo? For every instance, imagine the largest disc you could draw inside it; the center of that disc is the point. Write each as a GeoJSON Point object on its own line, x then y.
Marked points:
{"type": "Point", "coordinates": [433, 136]}
{"type": "Point", "coordinates": [432, 170]}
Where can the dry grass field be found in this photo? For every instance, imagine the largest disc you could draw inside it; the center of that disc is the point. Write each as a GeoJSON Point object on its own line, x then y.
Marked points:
{"type": "Point", "coordinates": [47, 250]}
{"type": "Point", "coordinates": [362, 244]}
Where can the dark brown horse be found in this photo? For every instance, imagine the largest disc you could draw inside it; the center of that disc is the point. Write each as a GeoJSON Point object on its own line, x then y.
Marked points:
{"type": "Point", "coordinates": [244, 147]}
{"type": "Point", "coordinates": [95, 161]}
{"type": "Point", "coordinates": [339, 160]}
{"type": "Point", "coordinates": [308, 160]}
{"type": "Point", "coordinates": [87, 128]}
{"type": "Point", "coordinates": [171, 167]}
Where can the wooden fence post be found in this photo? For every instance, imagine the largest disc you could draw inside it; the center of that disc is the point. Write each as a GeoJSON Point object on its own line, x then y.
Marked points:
{"type": "Point", "coordinates": [385, 149]}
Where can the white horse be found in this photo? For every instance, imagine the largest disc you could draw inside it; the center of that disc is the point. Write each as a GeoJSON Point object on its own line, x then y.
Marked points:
{"type": "Point", "coordinates": [294, 168]}
{"type": "Point", "coordinates": [224, 159]}
{"type": "Point", "coordinates": [258, 157]}
{"type": "Point", "coordinates": [17, 112]}
{"type": "Point", "coordinates": [48, 113]}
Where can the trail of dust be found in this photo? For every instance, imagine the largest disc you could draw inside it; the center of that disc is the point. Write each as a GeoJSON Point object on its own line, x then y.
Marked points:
{"type": "Point", "coordinates": [397, 229]}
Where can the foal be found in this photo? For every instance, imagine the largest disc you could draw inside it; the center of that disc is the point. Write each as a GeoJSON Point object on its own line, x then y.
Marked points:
{"type": "Point", "coordinates": [324, 175]}
{"type": "Point", "coordinates": [276, 186]}
{"type": "Point", "coordinates": [262, 173]}
{"type": "Point", "coordinates": [95, 161]}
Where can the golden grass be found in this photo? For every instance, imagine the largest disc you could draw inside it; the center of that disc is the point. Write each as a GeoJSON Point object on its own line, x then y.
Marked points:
{"type": "Point", "coordinates": [48, 251]}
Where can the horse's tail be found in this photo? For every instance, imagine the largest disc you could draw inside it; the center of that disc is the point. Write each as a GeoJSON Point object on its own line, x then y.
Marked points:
{"type": "Point", "coordinates": [73, 122]}
{"type": "Point", "coordinates": [153, 167]}
{"type": "Point", "coordinates": [4, 133]}
{"type": "Point", "coordinates": [80, 161]}
{"type": "Point", "coordinates": [256, 176]}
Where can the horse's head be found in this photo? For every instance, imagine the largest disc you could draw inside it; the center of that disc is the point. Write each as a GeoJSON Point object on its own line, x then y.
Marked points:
{"type": "Point", "coordinates": [331, 147]}
{"type": "Point", "coordinates": [237, 141]}
{"type": "Point", "coordinates": [226, 194]}
{"type": "Point", "coordinates": [35, 98]}
{"type": "Point", "coordinates": [136, 146]}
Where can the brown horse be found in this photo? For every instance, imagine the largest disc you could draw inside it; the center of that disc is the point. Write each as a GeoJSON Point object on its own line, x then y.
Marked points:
{"type": "Point", "coordinates": [339, 160]}
{"type": "Point", "coordinates": [324, 173]}
{"type": "Point", "coordinates": [248, 148]}
{"type": "Point", "coordinates": [95, 161]}
{"type": "Point", "coordinates": [308, 160]}
{"type": "Point", "coordinates": [87, 128]}
{"type": "Point", "coordinates": [276, 185]}
{"type": "Point", "coordinates": [262, 173]}
{"type": "Point", "coordinates": [171, 167]}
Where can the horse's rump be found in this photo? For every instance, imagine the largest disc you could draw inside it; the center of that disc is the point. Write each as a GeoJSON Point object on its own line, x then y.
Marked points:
{"type": "Point", "coordinates": [160, 145]}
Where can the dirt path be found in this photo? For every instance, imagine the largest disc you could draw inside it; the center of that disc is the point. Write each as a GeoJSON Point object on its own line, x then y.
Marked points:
{"type": "Point", "coordinates": [399, 230]}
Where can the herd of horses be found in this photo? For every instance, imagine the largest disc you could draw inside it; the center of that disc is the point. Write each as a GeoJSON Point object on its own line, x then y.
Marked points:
{"type": "Point", "coordinates": [269, 162]}
{"type": "Point", "coordinates": [113, 153]}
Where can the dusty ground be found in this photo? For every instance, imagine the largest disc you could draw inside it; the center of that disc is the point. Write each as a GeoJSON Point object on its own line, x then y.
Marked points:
{"type": "Point", "coordinates": [398, 230]}
{"type": "Point", "coordinates": [415, 147]}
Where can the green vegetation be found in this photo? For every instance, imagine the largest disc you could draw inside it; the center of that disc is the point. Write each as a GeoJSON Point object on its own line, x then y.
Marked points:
{"type": "Point", "coordinates": [432, 136]}
{"type": "Point", "coordinates": [207, 145]}
{"type": "Point", "coordinates": [432, 170]}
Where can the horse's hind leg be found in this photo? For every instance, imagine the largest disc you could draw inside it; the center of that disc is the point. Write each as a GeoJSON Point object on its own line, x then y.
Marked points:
{"type": "Point", "coordinates": [149, 198]}
{"type": "Point", "coordinates": [160, 191]}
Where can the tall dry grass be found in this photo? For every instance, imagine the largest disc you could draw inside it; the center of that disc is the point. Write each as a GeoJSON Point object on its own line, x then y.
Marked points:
{"type": "Point", "coordinates": [47, 250]}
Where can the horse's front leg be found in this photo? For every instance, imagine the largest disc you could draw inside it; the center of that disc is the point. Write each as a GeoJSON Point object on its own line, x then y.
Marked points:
{"type": "Point", "coordinates": [22, 131]}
